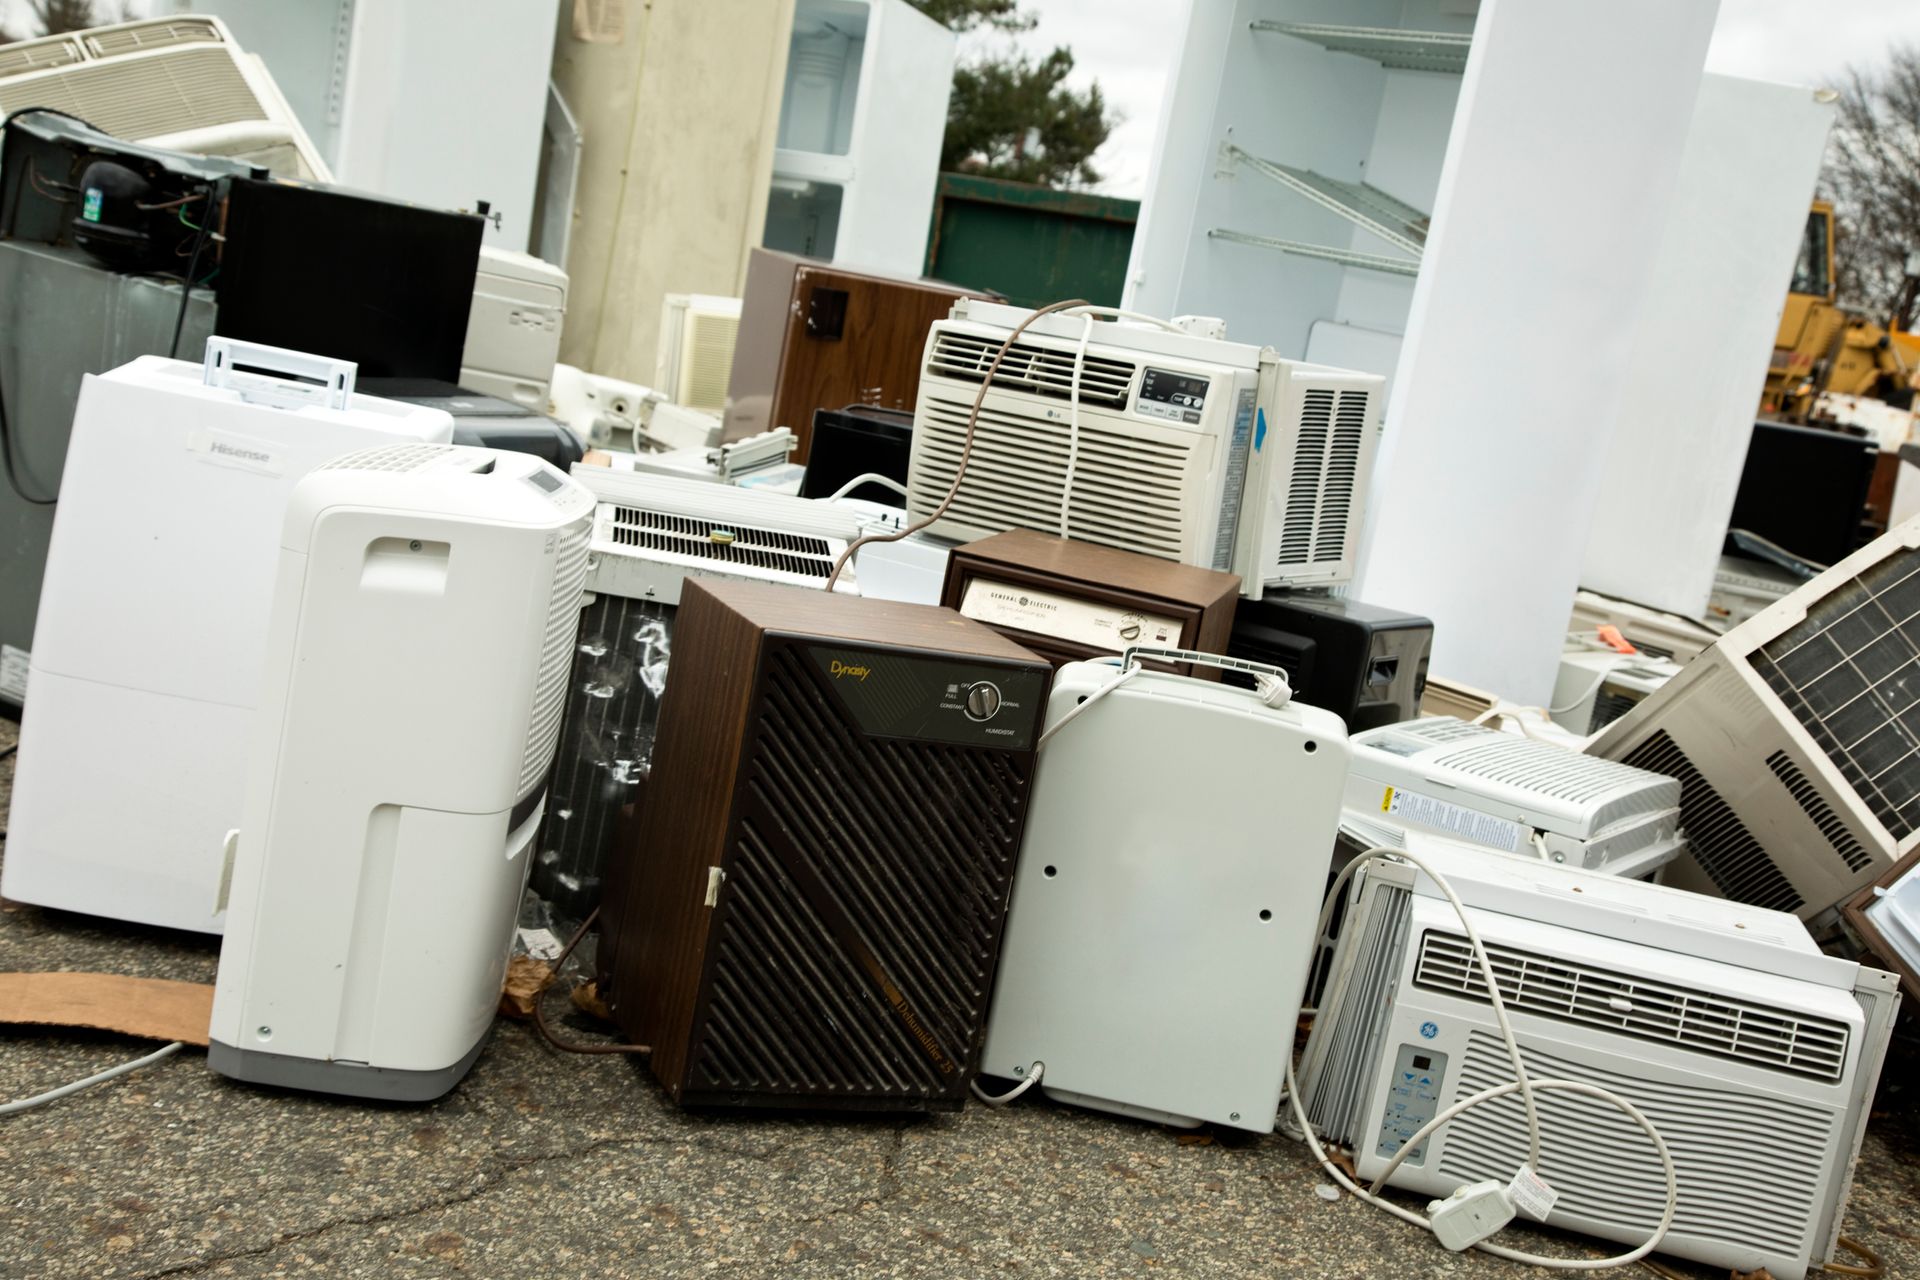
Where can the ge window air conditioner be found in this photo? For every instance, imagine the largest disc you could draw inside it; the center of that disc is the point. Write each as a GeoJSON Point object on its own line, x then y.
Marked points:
{"type": "Point", "coordinates": [1753, 1053]}
{"type": "Point", "coordinates": [1189, 448]}
{"type": "Point", "coordinates": [697, 333]}
{"type": "Point", "coordinates": [1796, 738]}
{"type": "Point", "coordinates": [180, 83]}
{"type": "Point", "coordinates": [417, 657]}
{"type": "Point", "coordinates": [1469, 783]}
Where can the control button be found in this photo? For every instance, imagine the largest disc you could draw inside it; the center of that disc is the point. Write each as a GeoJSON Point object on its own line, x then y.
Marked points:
{"type": "Point", "coordinates": [983, 701]}
{"type": "Point", "coordinates": [1129, 630]}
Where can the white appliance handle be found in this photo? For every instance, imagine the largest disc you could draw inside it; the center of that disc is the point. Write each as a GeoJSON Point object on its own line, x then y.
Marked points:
{"type": "Point", "coordinates": [1134, 655]}
{"type": "Point", "coordinates": [277, 376]}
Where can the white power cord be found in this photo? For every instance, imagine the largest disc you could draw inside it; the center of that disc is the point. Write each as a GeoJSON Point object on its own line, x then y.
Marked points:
{"type": "Point", "coordinates": [1520, 1084]}
{"type": "Point", "coordinates": [1073, 422]}
{"type": "Point", "coordinates": [1080, 708]}
{"type": "Point", "coordinates": [1002, 1099]}
{"type": "Point", "coordinates": [867, 477]}
{"type": "Point", "coordinates": [100, 1077]}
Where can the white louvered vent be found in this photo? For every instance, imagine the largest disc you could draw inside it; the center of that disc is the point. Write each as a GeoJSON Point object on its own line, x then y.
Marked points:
{"type": "Point", "coordinates": [161, 33]}
{"type": "Point", "coordinates": [735, 545]}
{"type": "Point", "coordinates": [390, 457]}
{"type": "Point", "coordinates": [1630, 1005]}
{"type": "Point", "coordinates": [556, 652]}
{"type": "Point", "coordinates": [1442, 729]}
{"type": "Point", "coordinates": [710, 340]}
{"type": "Point", "coordinates": [191, 87]}
{"type": "Point", "coordinates": [38, 55]}
{"type": "Point", "coordinates": [1331, 443]}
{"type": "Point", "coordinates": [1028, 367]}
{"type": "Point", "coordinates": [1544, 769]}
{"type": "Point", "coordinates": [1599, 1162]}
{"type": "Point", "coordinates": [1129, 491]}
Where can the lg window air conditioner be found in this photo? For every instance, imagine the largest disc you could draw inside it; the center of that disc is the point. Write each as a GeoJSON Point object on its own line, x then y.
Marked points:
{"type": "Point", "coordinates": [697, 333]}
{"type": "Point", "coordinates": [422, 628]}
{"type": "Point", "coordinates": [651, 534]}
{"type": "Point", "coordinates": [1189, 448]}
{"type": "Point", "coordinates": [180, 83]}
{"type": "Point", "coordinates": [1468, 783]}
{"type": "Point", "coordinates": [1796, 738]}
{"type": "Point", "coordinates": [1753, 1053]}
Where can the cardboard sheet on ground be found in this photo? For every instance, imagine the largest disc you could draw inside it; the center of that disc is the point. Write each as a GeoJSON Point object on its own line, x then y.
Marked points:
{"type": "Point", "coordinates": [155, 1008]}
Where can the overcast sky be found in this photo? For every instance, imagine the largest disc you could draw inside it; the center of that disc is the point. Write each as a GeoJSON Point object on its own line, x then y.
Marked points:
{"type": "Point", "coordinates": [1129, 46]}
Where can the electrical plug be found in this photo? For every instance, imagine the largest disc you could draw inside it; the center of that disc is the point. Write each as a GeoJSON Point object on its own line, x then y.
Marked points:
{"type": "Point", "coordinates": [1471, 1214]}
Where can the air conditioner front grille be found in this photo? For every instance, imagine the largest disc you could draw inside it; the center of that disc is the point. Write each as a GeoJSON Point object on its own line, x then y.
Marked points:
{"type": "Point", "coordinates": [736, 545]}
{"type": "Point", "coordinates": [1850, 674]}
{"type": "Point", "coordinates": [1330, 445]}
{"type": "Point", "coordinates": [1851, 851]}
{"type": "Point", "coordinates": [1541, 768]}
{"type": "Point", "coordinates": [1129, 491]}
{"type": "Point", "coordinates": [1753, 1168]}
{"type": "Point", "coordinates": [1029, 367]}
{"type": "Point", "coordinates": [389, 457]}
{"type": "Point", "coordinates": [159, 34]}
{"type": "Point", "coordinates": [1630, 1005]}
{"type": "Point", "coordinates": [1738, 864]}
{"type": "Point", "coordinates": [193, 87]}
{"type": "Point", "coordinates": [38, 55]}
{"type": "Point", "coordinates": [556, 652]}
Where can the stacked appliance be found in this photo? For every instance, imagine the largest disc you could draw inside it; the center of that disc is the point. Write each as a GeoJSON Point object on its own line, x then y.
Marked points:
{"type": "Point", "coordinates": [153, 619]}
{"type": "Point", "coordinates": [650, 535]}
{"type": "Point", "coordinates": [810, 913]}
{"type": "Point", "coordinates": [1147, 438]}
{"type": "Point", "coordinates": [1723, 1023]}
{"type": "Point", "coordinates": [1155, 954]}
{"type": "Point", "coordinates": [391, 804]}
{"type": "Point", "coordinates": [1598, 684]}
{"type": "Point", "coordinates": [1366, 664]}
{"type": "Point", "coordinates": [1793, 739]}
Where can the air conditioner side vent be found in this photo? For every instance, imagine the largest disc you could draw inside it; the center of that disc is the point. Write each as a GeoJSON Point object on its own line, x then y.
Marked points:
{"type": "Point", "coordinates": [1851, 851]}
{"type": "Point", "coordinates": [1738, 864]}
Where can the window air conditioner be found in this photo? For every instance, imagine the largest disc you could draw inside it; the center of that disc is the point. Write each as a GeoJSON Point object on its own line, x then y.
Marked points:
{"type": "Point", "coordinates": [1597, 686]}
{"type": "Point", "coordinates": [1753, 1053]}
{"type": "Point", "coordinates": [1796, 738]}
{"type": "Point", "coordinates": [1653, 633]}
{"type": "Point", "coordinates": [1195, 449]}
{"type": "Point", "coordinates": [1468, 783]}
{"type": "Point", "coordinates": [697, 333]}
{"type": "Point", "coordinates": [179, 83]}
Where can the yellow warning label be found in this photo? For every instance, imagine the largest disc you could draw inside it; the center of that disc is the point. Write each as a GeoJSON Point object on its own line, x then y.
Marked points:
{"type": "Point", "coordinates": [1386, 801]}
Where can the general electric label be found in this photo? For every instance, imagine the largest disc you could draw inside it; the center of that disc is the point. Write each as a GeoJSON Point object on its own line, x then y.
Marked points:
{"type": "Point", "coordinates": [1451, 819]}
{"type": "Point", "coordinates": [1063, 617]}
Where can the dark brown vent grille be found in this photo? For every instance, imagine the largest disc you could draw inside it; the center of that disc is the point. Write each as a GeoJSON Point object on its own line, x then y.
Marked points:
{"type": "Point", "coordinates": [1851, 851]}
{"type": "Point", "coordinates": [863, 911]}
{"type": "Point", "coordinates": [1736, 862]}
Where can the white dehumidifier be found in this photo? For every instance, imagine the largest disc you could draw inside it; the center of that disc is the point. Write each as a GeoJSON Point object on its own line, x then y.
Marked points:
{"type": "Point", "coordinates": [153, 620]}
{"type": "Point", "coordinates": [417, 657]}
{"type": "Point", "coordinates": [1176, 853]}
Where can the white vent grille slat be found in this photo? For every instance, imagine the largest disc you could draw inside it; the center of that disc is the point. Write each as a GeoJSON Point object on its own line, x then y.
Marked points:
{"type": "Point", "coordinates": [738, 545]}
{"type": "Point", "coordinates": [145, 97]}
{"type": "Point", "coordinates": [389, 457]}
{"type": "Point", "coordinates": [556, 652]}
{"type": "Point", "coordinates": [159, 34]}
{"type": "Point", "coordinates": [1601, 1166]}
{"type": "Point", "coordinates": [38, 55]}
{"type": "Point", "coordinates": [1552, 987]}
{"type": "Point", "coordinates": [1029, 367]}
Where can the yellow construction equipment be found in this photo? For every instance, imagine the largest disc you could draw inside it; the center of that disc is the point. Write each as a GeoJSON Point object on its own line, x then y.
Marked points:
{"type": "Point", "coordinates": [1823, 347]}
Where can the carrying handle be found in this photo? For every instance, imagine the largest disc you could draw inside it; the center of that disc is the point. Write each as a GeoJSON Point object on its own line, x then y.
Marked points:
{"type": "Point", "coordinates": [276, 376]}
{"type": "Point", "coordinates": [1258, 670]}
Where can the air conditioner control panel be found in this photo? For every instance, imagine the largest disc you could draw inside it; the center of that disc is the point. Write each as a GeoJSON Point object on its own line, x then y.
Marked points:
{"type": "Point", "coordinates": [1176, 397]}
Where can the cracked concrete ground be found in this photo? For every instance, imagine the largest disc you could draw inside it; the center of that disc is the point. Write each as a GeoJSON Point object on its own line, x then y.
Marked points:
{"type": "Point", "coordinates": [549, 1165]}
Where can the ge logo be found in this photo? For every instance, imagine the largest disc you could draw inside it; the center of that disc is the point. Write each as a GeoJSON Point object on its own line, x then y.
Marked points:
{"type": "Point", "coordinates": [1428, 1030]}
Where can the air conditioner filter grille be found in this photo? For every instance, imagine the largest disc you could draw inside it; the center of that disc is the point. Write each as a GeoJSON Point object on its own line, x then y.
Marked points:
{"type": "Point", "coordinates": [1631, 1005]}
{"type": "Point", "coordinates": [1029, 367]}
{"type": "Point", "coordinates": [729, 544]}
{"type": "Point", "coordinates": [1850, 674]}
{"type": "Point", "coordinates": [146, 97]}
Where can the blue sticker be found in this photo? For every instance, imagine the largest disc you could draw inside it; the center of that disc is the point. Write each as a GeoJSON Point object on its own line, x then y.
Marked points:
{"type": "Point", "coordinates": [1259, 429]}
{"type": "Point", "coordinates": [1428, 1030]}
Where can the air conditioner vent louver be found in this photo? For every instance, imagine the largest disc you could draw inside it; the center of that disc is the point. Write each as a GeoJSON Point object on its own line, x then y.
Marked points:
{"type": "Point", "coordinates": [1552, 987]}
{"type": "Point", "coordinates": [1326, 467]}
{"type": "Point", "coordinates": [1442, 729]}
{"type": "Point", "coordinates": [722, 543]}
{"type": "Point", "coordinates": [1610, 704]}
{"type": "Point", "coordinates": [1548, 770]}
{"type": "Point", "coordinates": [159, 34]}
{"type": "Point", "coordinates": [1850, 850]}
{"type": "Point", "coordinates": [146, 97]}
{"type": "Point", "coordinates": [1029, 367]}
{"type": "Point", "coordinates": [710, 343]}
{"type": "Point", "coordinates": [1359, 1023]}
{"type": "Point", "coordinates": [556, 653]}
{"type": "Point", "coordinates": [393, 457]}
{"type": "Point", "coordinates": [37, 55]}
{"type": "Point", "coordinates": [1601, 1166]}
{"type": "Point", "coordinates": [1737, 864]}
{"type": "Point", "coordinates": [1127, 491]}
{"type": "Point", "coordinates": [1849, 674]}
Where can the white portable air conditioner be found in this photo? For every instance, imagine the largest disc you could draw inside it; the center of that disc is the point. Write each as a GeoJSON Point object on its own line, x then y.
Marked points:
{"type": "Point", "coordinates": [153, 619]}
{"type": "Point", "coordinates": [1753, 1053]}
{"type": "Point", "coordinates": [179, 83]}
{"type": "Point", "coordinates": [1597, 686]}
{"type": "Point", "coordinates": [1468, 783]}
{"type": "Point", "coordinates": [423, 625]}
{"type": "Point", "coordinates": [1155, 954]}
{"type": "Point", "coordinates": [652, 532]}
{"type": "Point", "coordinates": [1796, 739]}
{"type": "Point", "coordinates": [695, 358]}
{"type": "Point", "coordinates": [1653, 633]}
{"type": "Point", "coordinates": [1194, 449]}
